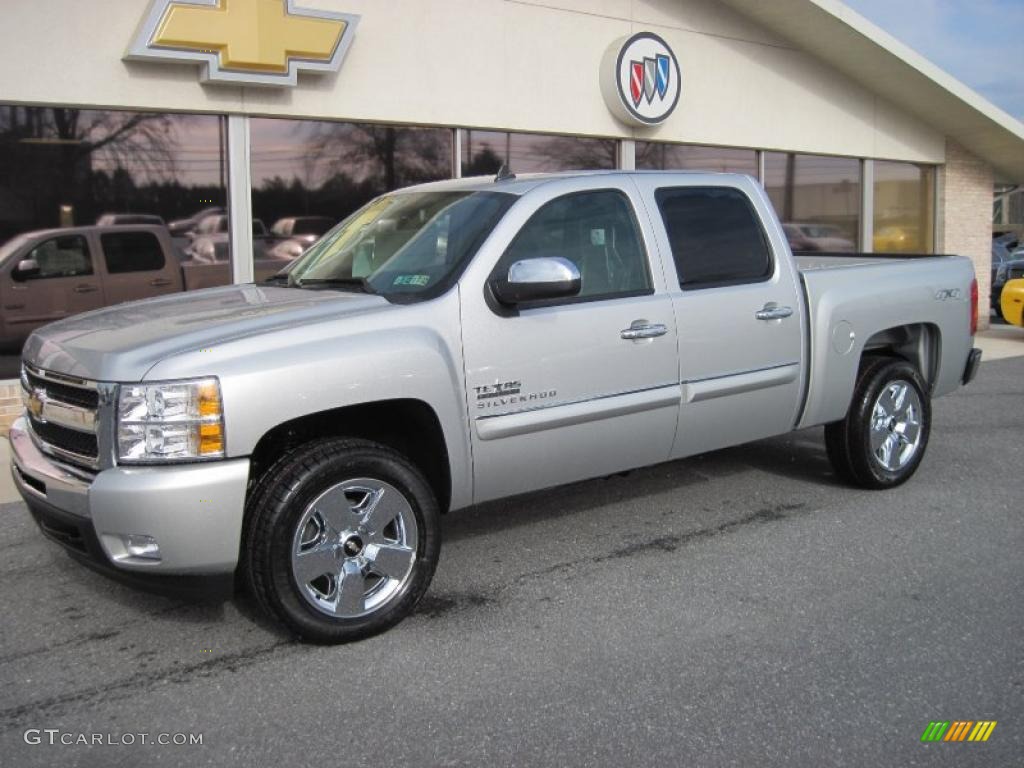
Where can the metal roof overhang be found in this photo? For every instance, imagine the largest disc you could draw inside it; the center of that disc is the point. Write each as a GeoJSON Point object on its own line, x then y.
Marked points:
{"type": "Point", "coordinates": [862, 51]}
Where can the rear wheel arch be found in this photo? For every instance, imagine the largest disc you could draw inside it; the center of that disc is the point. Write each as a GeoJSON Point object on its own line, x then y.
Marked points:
{"type": "Point", "coordinates": [917, 343]}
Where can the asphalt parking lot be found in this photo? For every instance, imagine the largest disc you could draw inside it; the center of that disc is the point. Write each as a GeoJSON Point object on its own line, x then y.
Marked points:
{"type": "Point", "coordinates": [740, 608]}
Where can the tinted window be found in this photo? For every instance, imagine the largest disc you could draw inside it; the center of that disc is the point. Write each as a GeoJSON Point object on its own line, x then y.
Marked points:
{"type": "Point", "coordinates": [132, 252]}
{"type": "Point", "coordinates": [715, 236]}
{"type": "Point", "coordinates": [594, 230]}
{"type": "Point", "coordinates": [66, 256]}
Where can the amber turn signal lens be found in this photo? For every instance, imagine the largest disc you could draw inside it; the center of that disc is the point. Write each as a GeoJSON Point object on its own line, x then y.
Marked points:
{"type": "Point", "coordinates": [211, 439]}
{"type": "Point", "coordinates": [209, 399]}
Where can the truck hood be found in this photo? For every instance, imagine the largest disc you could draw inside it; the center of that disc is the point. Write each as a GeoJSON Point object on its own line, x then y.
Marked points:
{"type": "Point", "coordinates": [121, 343]}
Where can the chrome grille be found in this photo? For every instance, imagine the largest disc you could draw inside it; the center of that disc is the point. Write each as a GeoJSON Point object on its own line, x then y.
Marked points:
{"type": "Point", "coordinates": [62, 415]}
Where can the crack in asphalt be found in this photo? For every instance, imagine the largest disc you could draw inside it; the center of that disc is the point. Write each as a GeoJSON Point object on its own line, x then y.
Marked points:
{"type": "Point", "coordinates": [667, 543]}
{"type": "Point", "coordinates": [431, 607]}
{"type": "Point", "coordinates": [124, 689]}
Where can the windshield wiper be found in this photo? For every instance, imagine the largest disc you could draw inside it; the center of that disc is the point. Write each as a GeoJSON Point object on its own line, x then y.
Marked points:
{"type": "Point", "coordinates": [277, 279]}
{"type": "Point", "coordinates": [359, 282]}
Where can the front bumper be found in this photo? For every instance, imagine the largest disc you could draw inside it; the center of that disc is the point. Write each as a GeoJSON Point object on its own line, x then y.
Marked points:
{"type": "Point", "coordinates": [193, 511]}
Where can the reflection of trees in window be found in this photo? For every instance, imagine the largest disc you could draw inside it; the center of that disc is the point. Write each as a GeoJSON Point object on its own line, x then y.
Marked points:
{"type": "Point", "coordinates": [568, 153]}
{"type": "Point", "coordinates": [484, 162]}
{"type": "Point", "coordinates": [99, 161]}
{"type": "Point", "coordinates": [331, 169]}
{"type": "Point", "coordinates": [390, 156]}
{"type": "Point", "coordinates": [483, 152]}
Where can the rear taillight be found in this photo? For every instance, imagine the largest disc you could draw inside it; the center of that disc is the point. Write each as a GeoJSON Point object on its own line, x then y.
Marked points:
{"type": "Point", "coordinates": [974, 307]}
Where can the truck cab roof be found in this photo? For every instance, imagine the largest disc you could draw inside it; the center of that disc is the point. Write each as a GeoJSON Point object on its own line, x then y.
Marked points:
{"type": "Point", "coordinates": [523, 183]}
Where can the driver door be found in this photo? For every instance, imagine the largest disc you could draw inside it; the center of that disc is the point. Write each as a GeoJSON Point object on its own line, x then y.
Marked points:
{"type": "Point", "coordinates": [565, 389]}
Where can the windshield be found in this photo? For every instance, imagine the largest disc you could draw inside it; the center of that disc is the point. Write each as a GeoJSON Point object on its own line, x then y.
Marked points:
{"type": "Point", "coordinates": [410, 245]}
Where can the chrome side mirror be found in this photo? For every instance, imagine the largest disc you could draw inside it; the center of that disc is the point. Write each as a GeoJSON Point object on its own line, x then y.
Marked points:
{"type": "Point", "coordinates": [550, 277]}
{"type": "Point", "coordinates": [27, 268]}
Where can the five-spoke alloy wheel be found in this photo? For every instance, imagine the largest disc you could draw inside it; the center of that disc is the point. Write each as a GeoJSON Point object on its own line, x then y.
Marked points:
{"type": "Point", "coordinates": [883, 438]}
{"type": "Point", "coordinates": [341, 539]}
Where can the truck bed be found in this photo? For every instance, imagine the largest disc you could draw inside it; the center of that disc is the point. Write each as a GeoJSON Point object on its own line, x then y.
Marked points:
{"type": "Point", "coordinates": [853, 299]}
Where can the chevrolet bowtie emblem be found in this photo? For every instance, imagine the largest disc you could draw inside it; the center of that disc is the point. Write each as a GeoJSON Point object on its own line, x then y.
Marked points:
{"type": "Point", "coordinates": [250, 42]}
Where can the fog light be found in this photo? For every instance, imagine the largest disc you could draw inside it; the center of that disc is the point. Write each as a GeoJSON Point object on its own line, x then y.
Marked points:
{"type": "Point", "coordinates": [141, 546]}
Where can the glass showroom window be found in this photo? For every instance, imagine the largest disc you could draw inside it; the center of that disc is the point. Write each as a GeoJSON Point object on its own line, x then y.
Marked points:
{"type": "Point", "coordinates": [817, 198]}
{"type": "Point", "coordinates": [904, 208]}
{"type": "Point", "coordinates": [308, 175]}
{"type": "Point", "coordinates": [660, 156]}
{"type": "Point", "coordinates": [483, 153]}
{"type": "Point", "coordinates": [67, 168]}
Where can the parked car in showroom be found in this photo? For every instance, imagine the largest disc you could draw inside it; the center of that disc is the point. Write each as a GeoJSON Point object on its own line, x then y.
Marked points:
{"type": "Point", "coordinates": [210, 242]}
{"type": "Point", "coordinates": [896, 238]}
{"type": "Point", "coordinates": [125, 219]}
{"type": "Point", "coordinates": [185, 227]}
{"type": "Point", "coordinates": [297, 233]}
{"type": "Point", "coordinates": [460, 342]}
{"type": "Point", "coordinates": [50, 274]}
{"type": "Point", "coordinates": [818, 237]}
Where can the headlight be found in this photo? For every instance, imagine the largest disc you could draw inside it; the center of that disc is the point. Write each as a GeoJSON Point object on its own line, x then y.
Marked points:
{"type": "Point", "coordinates": [170, 421]}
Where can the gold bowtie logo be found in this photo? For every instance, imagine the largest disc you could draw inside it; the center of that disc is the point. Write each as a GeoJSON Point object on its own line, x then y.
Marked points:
{"type": "Point", "coordinates": [261, 42]}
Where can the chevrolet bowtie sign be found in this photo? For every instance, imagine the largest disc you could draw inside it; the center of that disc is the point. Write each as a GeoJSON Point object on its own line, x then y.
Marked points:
{"type": "Point", "coordinates": [244, 42]}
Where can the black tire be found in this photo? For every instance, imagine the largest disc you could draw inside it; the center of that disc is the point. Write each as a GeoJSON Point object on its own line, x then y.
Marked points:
{"type": "Point", "coordinates": [284, 498]}
{"type": "Point", "coordinates": [848, 442]}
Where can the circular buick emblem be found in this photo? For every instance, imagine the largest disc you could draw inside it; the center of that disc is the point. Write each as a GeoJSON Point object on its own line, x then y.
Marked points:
{"type": "Point", "coordinates": [640, 79]}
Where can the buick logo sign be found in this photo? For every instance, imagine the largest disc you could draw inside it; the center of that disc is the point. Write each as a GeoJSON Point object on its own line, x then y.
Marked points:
{"type": "Point", "coordinates": [640, 79]}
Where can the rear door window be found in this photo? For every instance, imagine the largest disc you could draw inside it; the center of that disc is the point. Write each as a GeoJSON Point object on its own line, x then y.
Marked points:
{"type": "Point", "coordinates": [715, 235]}
{"type": "Point", "coordinates": [132, 252]}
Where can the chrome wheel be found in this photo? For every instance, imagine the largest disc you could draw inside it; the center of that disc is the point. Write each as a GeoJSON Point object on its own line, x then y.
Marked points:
{"type": "Point", "coordinates": [354, 548]}
{"type": "Point", "coordinates": [896, 425]}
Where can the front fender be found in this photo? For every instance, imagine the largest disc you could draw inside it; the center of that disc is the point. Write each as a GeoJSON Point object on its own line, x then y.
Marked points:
{"type": "Point", "coordinates": [406, 352]}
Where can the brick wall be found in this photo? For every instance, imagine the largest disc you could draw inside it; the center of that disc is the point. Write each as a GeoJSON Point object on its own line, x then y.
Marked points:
{"type": "Point", "coordinates": [10, 404]}
{"type": "Point", "coordinates": [965, 216]}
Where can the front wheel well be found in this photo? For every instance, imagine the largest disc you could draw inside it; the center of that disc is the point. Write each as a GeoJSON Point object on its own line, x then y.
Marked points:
{"type": "Point", "coordinates": [408, 426]}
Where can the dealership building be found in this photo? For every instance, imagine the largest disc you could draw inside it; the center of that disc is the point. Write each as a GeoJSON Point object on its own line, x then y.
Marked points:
{"type": "Point", "coordinates": [276, 109]}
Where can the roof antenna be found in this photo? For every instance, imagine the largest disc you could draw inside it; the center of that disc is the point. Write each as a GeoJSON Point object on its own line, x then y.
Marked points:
{"type": "Point", "coordinates": [504, 173]}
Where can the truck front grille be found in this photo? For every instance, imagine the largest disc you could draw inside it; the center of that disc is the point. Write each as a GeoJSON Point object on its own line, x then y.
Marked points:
{"type": "Point", "coordinates": [62, 414]}
{"type": "Point", "coordinates": [66, 393]}
{"type": "Point", "coordinates": [68, 440]}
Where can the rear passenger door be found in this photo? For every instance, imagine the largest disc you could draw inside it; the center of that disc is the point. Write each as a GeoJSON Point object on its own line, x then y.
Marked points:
{"type": "Point", "coordinates": [739, 310]}
{"type": "Point", "coordinates": [136, 266]}
{"type": "Point", "coordinates": [566, 389]}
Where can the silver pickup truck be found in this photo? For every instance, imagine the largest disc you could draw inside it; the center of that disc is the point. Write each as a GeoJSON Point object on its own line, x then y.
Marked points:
{"type": "Point", "coordinates": [459, 342]}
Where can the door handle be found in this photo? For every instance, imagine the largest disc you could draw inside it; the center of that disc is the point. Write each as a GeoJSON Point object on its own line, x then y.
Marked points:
{"type": "Point", "coordinates": [641, 329]}
{"type": "Point", "coordinates": [159, 282]}
{"type": "Point", "coordinates": [85, 289]}
{"type": "Point", "coordinates": [773, 312]}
